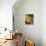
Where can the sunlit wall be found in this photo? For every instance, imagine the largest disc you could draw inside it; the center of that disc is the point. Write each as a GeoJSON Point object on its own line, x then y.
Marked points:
{"type": "Point", "coordinates": [6, 13]}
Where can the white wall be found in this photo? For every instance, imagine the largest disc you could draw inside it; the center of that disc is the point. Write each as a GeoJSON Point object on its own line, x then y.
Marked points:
{"type": "Point", "coordinates": [43, 22]}
{"type": "Point", "coordinates": [6, 16]}
{"type": "Point", "coordinates": [6, 13]}
{"type": "Point", "coordinates": [29, 31]}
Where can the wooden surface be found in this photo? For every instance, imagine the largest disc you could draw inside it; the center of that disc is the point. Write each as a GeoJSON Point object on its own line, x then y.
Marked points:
{"type": "Point", "coordinates": [8, 43]}
{"type": "Point", "coordinates": [16, 41]}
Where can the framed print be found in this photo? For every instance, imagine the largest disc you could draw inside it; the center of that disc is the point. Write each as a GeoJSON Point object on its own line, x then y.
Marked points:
{"type": "Point", "coordinates": [29, 19]}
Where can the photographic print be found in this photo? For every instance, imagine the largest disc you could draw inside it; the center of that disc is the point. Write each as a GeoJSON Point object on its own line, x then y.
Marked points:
{"type": "Point", "coordinates": [29, 19]}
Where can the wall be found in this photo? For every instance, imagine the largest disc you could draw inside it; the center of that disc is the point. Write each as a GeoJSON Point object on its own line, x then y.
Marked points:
{"type": "Point", "coordinates": [6, 16]}
{"type": "Point", "coordinates": [43, 22]}
{"type": "Point", "coordinates": [6, 13]}
{"type": "Point", "coordinates": [29, 31]}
